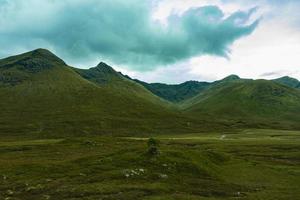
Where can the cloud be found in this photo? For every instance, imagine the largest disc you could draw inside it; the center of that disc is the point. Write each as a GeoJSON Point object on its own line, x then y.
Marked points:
{"type": "Point", "coordinates": [177, 73]}
{"type": "Point", "coordinates": [273, 48]}
{"type": "Point", "coordinates": [118, 31]}
{"type": "Point", "coordinates": [279, 73]}
{"type": "Point", "coordinates": [275, 73]}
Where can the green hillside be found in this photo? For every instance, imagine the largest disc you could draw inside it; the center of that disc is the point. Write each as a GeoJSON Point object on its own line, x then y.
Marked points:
{"type": "Point", "coordinates": [105, 76]}
{"type": "Point", "coordinates": [288, 81]}
{"type": "Point", "coordinates": [40, 94]}
{"type": "Point", "coordinates": [248, 102]}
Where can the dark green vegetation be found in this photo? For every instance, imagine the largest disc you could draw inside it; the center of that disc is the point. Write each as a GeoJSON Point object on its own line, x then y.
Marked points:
{"type": "Point", "coordinates": [176, 93]}
{"type": "Point", "coordinates": [250, 165]}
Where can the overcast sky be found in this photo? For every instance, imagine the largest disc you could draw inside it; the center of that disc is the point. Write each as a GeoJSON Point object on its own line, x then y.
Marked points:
{"type": "Point", "coordinates": [168, 41]}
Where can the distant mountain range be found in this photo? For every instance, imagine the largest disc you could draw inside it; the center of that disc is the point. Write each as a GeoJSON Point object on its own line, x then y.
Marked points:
{"type": "Point", "coordinates": [41, 94]}
{"type": "Point", "coordinates": [180, 92]}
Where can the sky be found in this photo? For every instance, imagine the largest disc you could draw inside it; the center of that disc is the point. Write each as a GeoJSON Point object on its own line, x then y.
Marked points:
{"type": "Point", "coordinates": [168, 41]}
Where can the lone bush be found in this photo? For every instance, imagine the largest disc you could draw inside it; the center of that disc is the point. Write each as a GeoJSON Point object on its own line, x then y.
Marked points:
{"type": "Point", "coordinates": [153, 146]}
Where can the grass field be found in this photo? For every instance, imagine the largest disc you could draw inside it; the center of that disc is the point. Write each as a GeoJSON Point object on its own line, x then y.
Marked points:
{"type": "Point", "coordinates": [250, 164]}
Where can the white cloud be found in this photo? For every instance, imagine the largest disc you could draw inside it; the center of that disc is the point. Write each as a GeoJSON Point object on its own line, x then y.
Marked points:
{"type": "Point", "coordinates": [171, 74]}
{"type": "Point", "coordinates": [273, 48]}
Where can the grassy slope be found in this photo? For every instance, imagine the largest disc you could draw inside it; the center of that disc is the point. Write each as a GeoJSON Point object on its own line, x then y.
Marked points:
{"type": "Point", "coordinates": [106, 77]}
{"type": "Point", "coordinates": [249, 101]}
{"type": "Point", "coordinates": [40, 94]}
{"type": "Point", "coordinates": [49, 96]}
{"type": "Point", "coordinates": [250, 165]}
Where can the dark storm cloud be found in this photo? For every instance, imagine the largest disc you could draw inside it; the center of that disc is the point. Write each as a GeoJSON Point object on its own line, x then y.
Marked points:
{"type": "Point", "coordinates": [122, 32]}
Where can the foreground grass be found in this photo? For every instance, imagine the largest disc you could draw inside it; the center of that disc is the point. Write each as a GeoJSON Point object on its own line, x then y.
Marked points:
{"type": "Point", "coordinates": [251, 164]}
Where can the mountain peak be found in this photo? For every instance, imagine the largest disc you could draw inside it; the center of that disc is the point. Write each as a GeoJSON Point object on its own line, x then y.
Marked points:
{"type": "Point", "coordinates": [104, 68]}
{"type": "Point", "coordinates": [288, 81]}
{"type": "Point", "coordinates": [33, 61]}
{"type": "Point", "coordinates": [100, 74]}
{"type": "Point", "coordinates": [16, 69]}
{"type": "Point", "coordinates": [103, 65]}
{"type": "Point", "coordinates": [41, 51]}
{"type": "Point", "coordinates": [287, 78]}
{"type": "Point", "coordinates": [45, 55]}
{"type": "Point", "coordinates": [232, 77]}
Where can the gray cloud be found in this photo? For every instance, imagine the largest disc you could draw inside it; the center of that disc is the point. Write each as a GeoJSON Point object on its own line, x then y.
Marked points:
{"type": "Point", "coordinates": [279, 73]}
{"type": "Point", "coordinates": [118, 31]}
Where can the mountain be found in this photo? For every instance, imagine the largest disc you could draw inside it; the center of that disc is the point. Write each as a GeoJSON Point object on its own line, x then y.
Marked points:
{"type": "Point", "coordinates": [288, 81]}
{"type": "Point", "coordinates": [105, 76]}
{"type": "Point", "coordinates": [249, 102]}
{"type": "Point", "coordinates": [16, 69]}
{"type": "Point", "coordinates": [180, 92]}
{"type": "Point", "coordinates": [175, 93]}
{"type": "Point", "coordinates": [229, 78]}
{"type": "Point", "coordinates": [101, 74]}
{"type": "Point", "coordinates": [41, 94]}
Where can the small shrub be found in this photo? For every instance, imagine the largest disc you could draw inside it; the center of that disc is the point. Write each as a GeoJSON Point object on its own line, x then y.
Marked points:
{"type": "Point", "coordinates": [153, 147]}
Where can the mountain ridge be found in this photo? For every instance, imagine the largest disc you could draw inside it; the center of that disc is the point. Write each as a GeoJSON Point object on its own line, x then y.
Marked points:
{"type": "Point", "coordinates": [58, 100]}
{"type": "Point", "coordinates": [46, 54]}
{"type": "Point", "coordinates": [47, 96]}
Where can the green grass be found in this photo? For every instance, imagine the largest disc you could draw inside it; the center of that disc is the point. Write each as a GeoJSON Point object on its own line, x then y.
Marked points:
{"type": "Point", "coordinates": [249, 103]}
{"type": "Point", "coordinates": [249, 164]}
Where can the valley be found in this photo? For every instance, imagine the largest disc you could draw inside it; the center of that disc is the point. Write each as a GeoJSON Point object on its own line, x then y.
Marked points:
{"type": "Point", "coordinates": [69, 133]}
{"type": "Point", "coordinates": [249, 164]}
{"type": "Point", "coordinates": [149, 100]}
